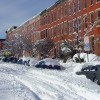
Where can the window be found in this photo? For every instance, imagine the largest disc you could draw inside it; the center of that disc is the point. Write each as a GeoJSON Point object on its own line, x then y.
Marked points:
{"type": "Point", "coordinates": [46, 32]}
{"type": "Point", "coordinates": [85, 22]}
{"type": "Point", "coordinates": [65, 11]}
{"type": "Point", "coordinates": [75, 25]}
{"type": "Point", "coordinates": [98, 14]}
{"type": "Point", "coordinates": [41, 63]}
{"type": "Point", "coordinates": [54, 31]}
{"type": "Point", "coordinates": [92, 18]}
{"type": "Point", "coordinates": [92, 44]}
{"type": "Point", "coordinates": [54, 16]}
{"type": "Point", "coordinates": [94, 68]}
{"type": "Point", "coordinates": [85, 4]}
{"type": "Point", "coordinates": [70, 27]}
{"type": "Point", "coordinates": [98, 0]}
{"type": "Point", "coordinates": [65, 27]}
{"type": "Point", "coordinates": [79, 7]}
{"type": "Point", "coordinates": [62, 28]}
{"type": "Point", "coordinates": [79, 24]}
{"type": "Point", "coordinates": [91, 2]}
{"type": "Point", "coordinates": [43, 20]}
{"type": "Point", "coordinates": [51, 32]}
{"type": "Point", "coordinates": [61, 13]}
{"type": "Point", "coordinates": [69, 10]}
{"type": "Point", "coordinates": [75, 43]}
{"type": "Point", "coordinates": [74, 7]}
{"type": "Point", "coordinates": [46, 20]}
{"type": "Point", "coordinates": [59, 29]}
{"type": "Point", "coordinates": [51, 17]}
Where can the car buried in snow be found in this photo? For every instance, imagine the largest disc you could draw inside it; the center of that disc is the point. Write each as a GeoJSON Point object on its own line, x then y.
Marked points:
{"type": "Point", "coordinates": [48, 63]}
{"type": "Point", "coordinates": [92, 72]}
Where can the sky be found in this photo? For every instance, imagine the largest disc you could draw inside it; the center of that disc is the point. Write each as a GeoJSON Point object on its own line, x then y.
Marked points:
{"type": "Point", "coordinates": [15, 12]}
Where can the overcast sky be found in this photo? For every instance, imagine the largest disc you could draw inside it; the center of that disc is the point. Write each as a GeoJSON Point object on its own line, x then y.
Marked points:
{"type": "Point", "coordinates": [15, 12]}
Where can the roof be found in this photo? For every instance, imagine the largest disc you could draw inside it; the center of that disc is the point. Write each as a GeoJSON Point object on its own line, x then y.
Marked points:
{"type": "Point", "coordinates": [2, 36]}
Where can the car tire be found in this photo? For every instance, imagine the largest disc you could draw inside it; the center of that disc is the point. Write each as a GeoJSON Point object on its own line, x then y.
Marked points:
{"type": "Point", "coordinates": [96, 81]}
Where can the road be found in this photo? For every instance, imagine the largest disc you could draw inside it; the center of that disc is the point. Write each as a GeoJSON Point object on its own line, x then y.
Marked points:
{"type": "Point", "coordinates": [18, 82]}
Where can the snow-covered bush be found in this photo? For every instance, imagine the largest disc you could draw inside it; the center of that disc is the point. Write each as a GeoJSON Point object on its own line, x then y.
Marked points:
{"type": "Point", "coordinates": [66, 50]}
{"type": "Point", "coordinates": [84, 57]}
{"type": "Point", "coordinates": [43, 47]}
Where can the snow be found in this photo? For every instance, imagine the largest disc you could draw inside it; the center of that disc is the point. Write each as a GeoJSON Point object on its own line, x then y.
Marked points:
{"type": "Point", "coordinates": [19, 82]}
{"type": "Point", "coordinates": [49, 61]}
{"type": "Point", "coordinates": [26, 58]}
{"type": "Point", "coordinates": [33, 61]}
{"type": "Point", "coordinates": [86, 57]}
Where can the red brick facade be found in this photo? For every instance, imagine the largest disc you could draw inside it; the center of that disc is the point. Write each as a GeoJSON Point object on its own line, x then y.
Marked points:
{"type": "Point", "coordinates": [64, 20]}
{"type": "Point", "coordinates": [1, 43]}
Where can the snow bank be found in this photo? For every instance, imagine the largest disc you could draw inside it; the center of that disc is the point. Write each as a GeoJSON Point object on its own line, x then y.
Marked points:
{"type": "Point", "coordinates": [33, 61]}
{"type": "Point", "coordinates": [26, 58]}
{"type": "Point", "coordinates": [26, 83]}
{"type": "Point", "coordinates": [50, 61]}
{"type": "Point", "coordinates": [86, 57]}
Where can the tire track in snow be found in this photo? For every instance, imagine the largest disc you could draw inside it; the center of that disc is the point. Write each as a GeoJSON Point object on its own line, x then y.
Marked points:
{"type": "Point", "coordinates": [56, 87]}
{"type": "Point", "coordinates": [36, 88]}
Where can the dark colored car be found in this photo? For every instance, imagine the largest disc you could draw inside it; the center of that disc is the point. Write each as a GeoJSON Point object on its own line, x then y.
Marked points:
{"type": "Point", "coordinates": [20, 61]}
{"type": "Point", "coordinates": [92, 72]}
{"type": "Point", "coordinates": [12, 59]}
{"type": "Point", "coordinates": [43, 64]}
{"type": "Point", "coordinates": [4, 59]}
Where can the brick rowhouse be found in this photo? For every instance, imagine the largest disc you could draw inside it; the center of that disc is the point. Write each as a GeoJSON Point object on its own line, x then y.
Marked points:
{"type": "Point", "coordinates": [66, 19]}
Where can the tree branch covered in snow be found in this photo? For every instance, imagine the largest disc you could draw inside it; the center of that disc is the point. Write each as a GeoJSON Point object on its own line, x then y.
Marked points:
{"type": "Point", "coordinates": [18, 43]}
{"type": "Point", "coordinates": [43, 46]}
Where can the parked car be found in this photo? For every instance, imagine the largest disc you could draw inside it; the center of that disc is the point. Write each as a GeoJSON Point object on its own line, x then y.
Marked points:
{"type": "Point", "coordinates": [4, 59]}
{"type": "Point", "coordinates": [24, 61]}
{"type": "Point", "coordinates": [48, 63]}
{"type": "Point", "coordinates": [20, 61]}
{"type": "Point", "coordinates": [92, 72]}
{"type": "Point", "coordinates": [12, 59]}
{"type": "Point", "coordinates": [9, 59]}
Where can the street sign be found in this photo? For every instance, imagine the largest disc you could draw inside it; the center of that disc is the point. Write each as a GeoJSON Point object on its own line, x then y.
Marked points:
{"type": "Point", "coordinates": [86, 43]}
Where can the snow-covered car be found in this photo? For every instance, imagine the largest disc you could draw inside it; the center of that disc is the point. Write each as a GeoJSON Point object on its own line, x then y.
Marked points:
{"type": "Point", "coordinates": [49, 64]}
{"type": "Point", "coordinates": [91, 71]}
{"type": "Point", "coordinates": [33, 61]}
{"type": "Point", "coordinates": [24, 61]}
{"type": "Point", "coordinates": [20, 61]}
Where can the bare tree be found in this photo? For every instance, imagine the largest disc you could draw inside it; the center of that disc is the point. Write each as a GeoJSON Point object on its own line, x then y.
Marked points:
{"type": "Point", "coordinates": [18, 44]}
{"type": "Point", "coordinates": [43, 47]}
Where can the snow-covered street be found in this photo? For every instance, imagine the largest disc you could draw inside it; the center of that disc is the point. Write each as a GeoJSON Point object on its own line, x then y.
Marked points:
{"type": "Point", "coordinates": [18, 82]}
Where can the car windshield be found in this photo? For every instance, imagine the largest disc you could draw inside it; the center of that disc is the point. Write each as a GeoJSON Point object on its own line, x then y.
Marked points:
{"type": "Point", "coordinates": [41, 63]}
{"type": "Point", "coordinates": [98, 66]}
